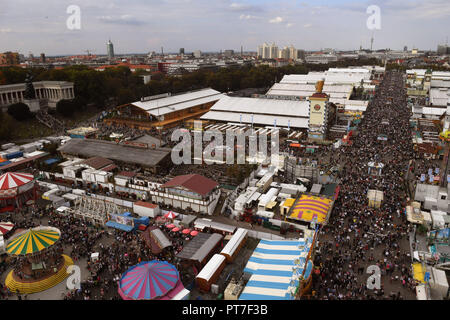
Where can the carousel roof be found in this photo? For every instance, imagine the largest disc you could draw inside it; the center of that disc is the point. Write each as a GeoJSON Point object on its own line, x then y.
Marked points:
{"type": "Point", "coordinates": [5, 227]}
{"type": "Point", "coordinates": [32, 240]}
{"type": "Point", "coordinates": [12, 180]}
{"type": "Point", "coordinates": [148, 280]}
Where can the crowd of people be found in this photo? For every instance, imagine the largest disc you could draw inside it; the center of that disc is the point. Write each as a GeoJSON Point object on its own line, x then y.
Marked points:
{"type": "Point", "coordinates": [79, 239]}
{"type": "Point", "coordinates": [358, 235]}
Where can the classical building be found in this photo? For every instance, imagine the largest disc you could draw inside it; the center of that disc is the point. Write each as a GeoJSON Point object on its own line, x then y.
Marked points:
{"type": "Point", "coordinates": [48, 93]}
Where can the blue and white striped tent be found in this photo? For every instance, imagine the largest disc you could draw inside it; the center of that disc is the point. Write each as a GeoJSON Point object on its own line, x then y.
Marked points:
{"type": "Point", "coordinates": [274, 267]}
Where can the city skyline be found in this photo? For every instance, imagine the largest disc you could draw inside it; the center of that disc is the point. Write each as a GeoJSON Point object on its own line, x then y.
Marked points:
{"type": "Point", "coordinates": [138, 26]}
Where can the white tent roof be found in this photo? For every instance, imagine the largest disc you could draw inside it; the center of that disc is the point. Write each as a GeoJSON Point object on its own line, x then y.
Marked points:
{"type": "Point", "coordinates": [170, 104]}
{"type": "Point", "coordinates": [210, 268]}
{"type": "Point", "coordinates": [342, 91]}
{"type": "Point", "coordinates": [235, 241]}
{"type": "Point", "coordinates": [264, 111]}
{"type": "Point", "coordinates": [438, 96]}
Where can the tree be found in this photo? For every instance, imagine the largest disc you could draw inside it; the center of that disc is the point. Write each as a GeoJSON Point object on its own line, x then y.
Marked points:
{"type": "Point", "coordinates": [5, 127]}
{"type": "Point", "coordinates": [19, 111]}
{"type": "Point", "coordinates": [80, 103]}
{"type": "Point", "coordinates": [66, 107]}
{"type": "Point", "coordinates": [125, 96]}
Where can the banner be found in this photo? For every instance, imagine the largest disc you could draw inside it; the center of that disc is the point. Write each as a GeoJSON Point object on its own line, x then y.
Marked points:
{"type": "Point", "coordinates": [129, 221]}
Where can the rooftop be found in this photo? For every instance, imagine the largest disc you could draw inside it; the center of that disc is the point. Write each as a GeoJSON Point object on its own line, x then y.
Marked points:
{"type": "Point", "coordinates": [116, 152]}
{"type": "Point", "coordinates": [97, 162]}
{"type": "Point", "coordinates": [161, 106]}
{"type": "Point", "coordinates": [193, 182]}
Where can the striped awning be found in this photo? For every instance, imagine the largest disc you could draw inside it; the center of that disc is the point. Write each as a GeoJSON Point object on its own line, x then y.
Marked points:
{"type": "Point", "coordinates": [33, 240]}
{"type": "Point", "coordinates": [309, 208]}
{"type": "Point", "coordinates": [12, 180]}
{"type": "Point", "coordinates": [5, 227]}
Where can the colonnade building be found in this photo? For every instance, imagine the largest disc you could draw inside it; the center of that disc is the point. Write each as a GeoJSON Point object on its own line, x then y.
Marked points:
{"type": "Point", "coordinates": [47, 92]}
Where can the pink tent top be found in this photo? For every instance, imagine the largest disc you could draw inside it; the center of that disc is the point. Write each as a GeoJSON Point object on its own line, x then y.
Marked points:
{"type": "Point", "coordinates": [186, 231]}
{"type": "Point", "coordinates": [172, 293]}
{"type": "Point", "coordinates": [176, 229]}
{"type": "Point", "coordinates": [194, 233]}
{"type": "Point", "coordinates": [12, 180]}
{"type": "Point", "coordinates": [170, 226]}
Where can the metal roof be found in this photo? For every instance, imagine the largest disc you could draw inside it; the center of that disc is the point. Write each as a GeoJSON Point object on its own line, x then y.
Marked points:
{"type": "Point", "coordinates": [210, 268]}
{"type": "Point", "coordinates": [177, 102]}
{"type": "Point", "coordinates": [440, 83]}
{"type": "Point", "coordinates": [330, 78]}
{"type": "Point", "coordinates": [271, 107]}
{"type": "Point", "coordinates": [200, 246]}
{"type": "Point", "coordinates": [439, 97]}
{"type": "Point", "coordinates": [305, 90]}
{"type": "Point", "coordinates": [282, 121]}
{"type": "Point", "coordinates": [113, 151]}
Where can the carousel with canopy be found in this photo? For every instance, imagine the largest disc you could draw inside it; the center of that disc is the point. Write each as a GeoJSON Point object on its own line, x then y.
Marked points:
{"type": "Point", "coordinates": [15, 190]}
{"type": "Point", "coordinates": [152, 280]}
{"type": "Point", "coordinates": [39, 263]}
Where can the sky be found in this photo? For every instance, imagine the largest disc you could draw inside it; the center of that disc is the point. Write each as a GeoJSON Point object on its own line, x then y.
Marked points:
{"type": "Point", "coordinates": [141, 26]}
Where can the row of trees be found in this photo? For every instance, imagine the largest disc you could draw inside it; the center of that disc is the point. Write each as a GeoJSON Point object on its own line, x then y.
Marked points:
{"type": "Point", "coordinates": [95, 87]}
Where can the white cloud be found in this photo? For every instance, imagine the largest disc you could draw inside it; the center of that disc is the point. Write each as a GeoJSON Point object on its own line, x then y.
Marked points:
{"type": "Point", "coordinates": [5, 30]}
{"type": "Point", "coordinates": [235, 5]}
{"type": "Point", "coordinates": [276, 20]}
{"type": "Point", "coordinates": [308, 25]}
{"type": "Point", "coordinates": [246, 17]}
{"type": "Point", "coordinates": [289, 25]}
{"type": "Point", "coordinates": [240, 7]}
{"type": "Point", "coordinates": [122, 19]}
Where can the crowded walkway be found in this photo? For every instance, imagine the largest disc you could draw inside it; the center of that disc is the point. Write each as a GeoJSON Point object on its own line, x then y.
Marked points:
{"type": "Point", "coordinates": [357, 235]}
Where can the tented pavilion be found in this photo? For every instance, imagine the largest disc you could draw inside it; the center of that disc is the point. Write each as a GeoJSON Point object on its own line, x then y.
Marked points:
{"type": "Point", "coordinates": [41, 266]}
{"type": "Point", "coordinates": [15, 190]}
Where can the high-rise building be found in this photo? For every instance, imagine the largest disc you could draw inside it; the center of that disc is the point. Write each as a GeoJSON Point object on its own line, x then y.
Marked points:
{"type": "Point", "coordinates": [197, 54]}
{"type": "Point", "coordinates": [228, 53]}
{"type": "Point", "coordinates": [443, 49]}
{"type": "Point", "coordinates": [43, 58]}
{"type": "Point", "coordinates": [273, 51]}
{"type": "Point", "coordinates": [264, 51]}
{"type": "Point", "coordinates": [110, 49]}
{"type": "Point", "coordinates": [181, 50]}
{"type": "Point", "coordinates": [293, 53]}
{"type": "Point", "coordinates": [284, 53]}
{"type": "Point", "coordinates": [301, 54]}
{"type": "Point", "coordinates": [405, 48]}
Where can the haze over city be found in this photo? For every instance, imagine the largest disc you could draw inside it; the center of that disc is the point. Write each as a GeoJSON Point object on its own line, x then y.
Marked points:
{"type": "Point", "coordinates": [139, 26]}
